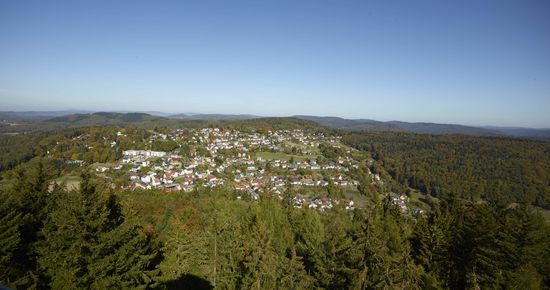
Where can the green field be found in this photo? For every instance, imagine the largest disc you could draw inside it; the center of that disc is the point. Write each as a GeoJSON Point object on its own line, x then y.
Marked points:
{"type": "Point", "coordinates": [71, 181]}
{"type": "Point", "coordinates": [545, 213]}
{"type": "Point", "coordinates": [282, 156]}
{"type": "Point", "coordinates": [418, 199]}
{"type": "Point", "coordinates": [359, 199]}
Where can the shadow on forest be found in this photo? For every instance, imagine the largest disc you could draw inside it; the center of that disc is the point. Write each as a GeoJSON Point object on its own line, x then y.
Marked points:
{"type": "Point", "coordinates": [426, 201]}
{"type": "Point", "coordinates": [188, 281]}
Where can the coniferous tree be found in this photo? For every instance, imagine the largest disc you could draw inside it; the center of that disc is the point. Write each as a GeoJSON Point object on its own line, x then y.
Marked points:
{"type": "Point", "coordinates": [29, 197]}
{"type": "Point", "coordinates": [429, 245]}
{"type": "Point", "coordinates": [88, 244]}
{"type": "Point", "coordinates": [523, 247]}
{"type": "Point", "coordinates": [293, 274]}
{"type": "Point", "coordinates": [10, 241]}
{"type": "Point", "coordinates": [261, 263]}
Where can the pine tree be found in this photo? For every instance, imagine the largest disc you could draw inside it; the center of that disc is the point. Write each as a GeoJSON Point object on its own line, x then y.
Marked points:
{"type": "Point", "coordinates": [293, 274]}
{"type": "Point", "coordinates": [29, 197]}
{"type": "Point", "coordinates": [261, 263]}
{"type": "Point", "coordinates": [430, 242]}
{"type": "Point", "coordinates": [380, 254]}
{"type": "Point", "coordinates": [88, 244]}
{"type": "Point", "coordinates": [10, 222]}
{"type": "Point", "coordinates": [523, 245]}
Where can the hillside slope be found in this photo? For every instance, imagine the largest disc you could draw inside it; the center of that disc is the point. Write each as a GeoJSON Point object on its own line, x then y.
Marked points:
{"type": "Point", "coordinates": [428, 128]}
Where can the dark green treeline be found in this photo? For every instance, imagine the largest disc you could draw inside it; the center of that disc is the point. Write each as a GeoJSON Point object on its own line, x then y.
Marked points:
{"type": "Point", "coordinates": [98, 238]}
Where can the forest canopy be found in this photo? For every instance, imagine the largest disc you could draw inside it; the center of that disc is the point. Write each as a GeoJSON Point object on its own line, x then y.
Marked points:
{"type": "Point", "coordinates": [472, 167]}
{"type": "Point", "coordinates": [483, 231]}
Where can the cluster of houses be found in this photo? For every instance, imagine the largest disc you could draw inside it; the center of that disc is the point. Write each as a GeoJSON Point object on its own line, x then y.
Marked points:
{"type": "Point", "coordinates": [248, 163]}
{"type": "Point", "coordinates": [401, 201]}
{"type": "Point", "coordinates": [168, 173]}
{"type": "Point", "coordinates": [321, 203]}
{"type": "Point", "coordinates": [216, 157]}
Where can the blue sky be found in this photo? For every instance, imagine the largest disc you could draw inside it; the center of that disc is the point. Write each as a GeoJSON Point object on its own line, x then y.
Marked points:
{"type": "Point", "coordinates": [468, 62]}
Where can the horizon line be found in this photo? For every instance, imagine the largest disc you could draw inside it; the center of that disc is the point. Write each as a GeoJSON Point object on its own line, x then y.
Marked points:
{"type": "Point", "coordinates": [168, 114]}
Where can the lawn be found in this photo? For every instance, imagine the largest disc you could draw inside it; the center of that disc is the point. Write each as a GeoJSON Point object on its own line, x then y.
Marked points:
{"type": "Point", "coordinates": [359, 199]}
{"type": "Point", "coordinates": [282, 156]}
{"type": "Point", "coordinates": [545, 213]}
{"type": "Point", "coordinates": [418, 199]}
{"type": "Point", "coordinates": [304, 147]}
{"type": "Point", "coordinates": [72, 181]}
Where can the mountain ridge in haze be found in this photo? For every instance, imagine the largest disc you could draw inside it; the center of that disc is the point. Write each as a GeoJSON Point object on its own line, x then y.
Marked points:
{"type": "Point", "coordinates": [85, 118]}
{"type": "Point", "coordinates": [428, 128]}
{"type": "Point", "coordinates": [103, 118]}
{"type": "Point", "coordinates": [217, 117]}
{"type": "Point", "coordinates": [37, 115]}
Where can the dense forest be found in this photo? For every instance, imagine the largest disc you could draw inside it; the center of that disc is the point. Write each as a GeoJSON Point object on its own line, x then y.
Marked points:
{"type": "Point", "coordinates": [99, 238]}
{"type": "Point", "coordinates": [17, 149]}
{"type": "Point", "coordinates": [483, 233]}
{"type": "Point", "coordinates": [142, 120]}
{"type": "Point", "coordinates": [471, 167]}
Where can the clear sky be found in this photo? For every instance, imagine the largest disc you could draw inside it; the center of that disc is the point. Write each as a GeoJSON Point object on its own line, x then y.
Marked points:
{"type": "Point", "coordinates": [471, 62]}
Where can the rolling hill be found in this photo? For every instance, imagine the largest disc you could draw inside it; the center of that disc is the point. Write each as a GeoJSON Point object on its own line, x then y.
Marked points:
{"type": "Point", "coordinates": [36, 120]}
{"type": "Point", "coordinates": [428, 128]}
{"type": "Point", "coordinates": [37, 115]}
{"type": "Point", "coordinates": [103, 118]}
{"type": "Point", "coordinates": [218, 117]}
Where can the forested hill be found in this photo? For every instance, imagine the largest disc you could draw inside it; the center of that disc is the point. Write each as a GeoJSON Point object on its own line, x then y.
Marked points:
{"type": "Point", "coordinates": [33, 121]}
{"type": "Point", "coordinates": [443, 129]}
{"type": "Point", "coordinates": [100, 118]}
{"type": "Point", "coordinates": [428, 128]}
{"type": "Point", "coordinates": [472, 167]}
{"type": "Point", "coordinates": [351, 124]}
{"type": "Point", "coordinates": [213, 117]}
{"type": "Point", "coordinates": [145, 120]}
{"type": "Point", "coordinates": [36, 115]}
{"type": "Point", "coordinates": [19, 148]}
{"type": "Point", "coordinates": [107, 235]}
{"type": "Point", "coordinates": [77, 120]}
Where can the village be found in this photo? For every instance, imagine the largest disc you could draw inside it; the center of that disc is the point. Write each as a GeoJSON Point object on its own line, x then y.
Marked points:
{"type": "Point", "coordinates": [249, 164]}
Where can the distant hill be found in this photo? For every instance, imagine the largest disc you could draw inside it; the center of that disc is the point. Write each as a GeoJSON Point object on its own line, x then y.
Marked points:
{"type": "Point", "coordinates": [531, 133]}
{"type": "Point", "coordinates": [36, 120]}
{"type": "Point", "coordinates": [40, 121]}
{"type": "Point", "coordinates": [103, 118]}
{"type": "Point", "coordinates": [37, 115]}
{"type": "Point", "coordinates": [351, 124]}
{"type": "Point", "coordinates": [217, 117]}
{"type": "Point", "coordinates": [149, 121]}
{"type": "Point", "coordinates": [153, 113]}
{"type": "Point", "coordinates": [30, 116]}
{"type": "Point", "coordinates": [428, 128]}
{"type": "Point", "coordinates": [444, 129]}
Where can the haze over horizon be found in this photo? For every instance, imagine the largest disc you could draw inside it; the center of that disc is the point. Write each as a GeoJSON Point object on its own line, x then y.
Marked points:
{"type": "Point", "coordinates": [469, 62]}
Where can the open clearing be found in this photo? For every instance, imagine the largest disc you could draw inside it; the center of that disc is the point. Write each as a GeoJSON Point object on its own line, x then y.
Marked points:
{"type": "Point", "coordinates": [282, 156]}
{"type": "Point", "coordinates": [71, 182]}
